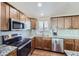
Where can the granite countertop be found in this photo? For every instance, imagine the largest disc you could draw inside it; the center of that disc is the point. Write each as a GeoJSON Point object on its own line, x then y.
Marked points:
{"type": "Point", "coordinates": [66, 37]}
{"type": "Point", "coordinates": [59, 37]}
{"type": "Point", "coordinates": [71, 53]}
{"type": "Point", "coordinates": [5, 49]}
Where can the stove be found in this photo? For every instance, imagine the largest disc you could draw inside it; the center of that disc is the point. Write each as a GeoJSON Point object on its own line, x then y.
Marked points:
{"type": "Point", "coordinates": [23, 45]}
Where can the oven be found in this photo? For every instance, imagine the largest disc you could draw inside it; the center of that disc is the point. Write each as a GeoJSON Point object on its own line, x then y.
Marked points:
{"type": "Point", "coordinates": [25, 49]}
{"type": "Point", "coordinates": [23, 44]}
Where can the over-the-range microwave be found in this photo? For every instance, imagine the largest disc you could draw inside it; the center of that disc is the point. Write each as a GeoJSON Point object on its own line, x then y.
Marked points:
{"type": "Point", "coordinates": [15, 25]}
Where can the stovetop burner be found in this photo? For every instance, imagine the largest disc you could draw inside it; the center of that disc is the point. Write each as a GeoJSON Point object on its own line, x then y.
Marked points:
{"type": "Point", "coordinates": [16, 41]}
{"type": "Point", "coordinates": [19, 43]}
{"type": "Point", "coordinates": [23, 45]}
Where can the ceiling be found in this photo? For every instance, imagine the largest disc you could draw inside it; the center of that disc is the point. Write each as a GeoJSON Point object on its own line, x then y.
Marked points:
{"type": "Point", "coordinates": [48, 8]}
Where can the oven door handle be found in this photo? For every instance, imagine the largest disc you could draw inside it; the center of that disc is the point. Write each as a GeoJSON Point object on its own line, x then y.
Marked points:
{"type": "Point", "coordinates": [24, 45]}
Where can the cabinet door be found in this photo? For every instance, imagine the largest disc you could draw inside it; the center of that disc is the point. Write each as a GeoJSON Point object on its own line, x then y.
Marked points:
{"type": "Point", "coordinates": [61, 22]}
{"type": "Point", "coordinates": [33, 44]}
{"type": "Point", "coordinates": [0, 15]}
{"type": "Point", "coordinates": [47, 43]}
{"type": "Point", "coordinates": [54, 23]}
{"type": "Point", "coordinates": [76, 45]}
{"type": "Point", "coordinates": [67, 22]}
{"type": "Point", "coordinates": [22, 17]}
{"type": "Point", "coordinates": [69, 44]}
{"type": "Point", "coordinates": [39, 42]}
{"type": "Point", "coordinates": [75, 22]}
{"type": "Point", "coordinates": [33, 23]}
{"type": "Point", "coordinates": [14, 13]}
{"type": "Point", "coordinates": [4, 16]}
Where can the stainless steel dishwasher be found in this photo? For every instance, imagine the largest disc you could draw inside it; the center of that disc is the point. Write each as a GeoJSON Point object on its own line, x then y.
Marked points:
{"type": "Point", "coordinates": [57, 45]}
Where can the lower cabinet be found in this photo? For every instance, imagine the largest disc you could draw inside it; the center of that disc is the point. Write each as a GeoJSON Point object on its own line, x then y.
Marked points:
{"type": "Point", "coordinates": [33, 44]}
{"type": "Point", "coordinates": [42, 43]}
{"type": "Point", "coordinates": [39, 42]}
{"type": "Point", "coordinates": [69, 44]}
{"type": "Point", "coordinates": [76, 45]}
{"type": "Point", "coordinates": [47, 43]}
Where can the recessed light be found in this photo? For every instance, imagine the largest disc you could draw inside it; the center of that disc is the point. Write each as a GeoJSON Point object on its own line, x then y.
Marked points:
{"type": "Point", "coordinates": [39, 4]}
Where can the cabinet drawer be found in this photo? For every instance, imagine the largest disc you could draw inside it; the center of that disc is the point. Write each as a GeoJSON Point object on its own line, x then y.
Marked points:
{"type": "Point", "coordinates": [69, 40]}
{"type": "Point", "coordinates": [69, 44]}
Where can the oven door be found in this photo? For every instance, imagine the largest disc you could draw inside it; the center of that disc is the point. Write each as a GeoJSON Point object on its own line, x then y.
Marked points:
{"type": "Point", "coordinates": [24, 51]}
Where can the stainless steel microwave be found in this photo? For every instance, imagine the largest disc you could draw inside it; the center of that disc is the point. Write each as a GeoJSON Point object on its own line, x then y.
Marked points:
{"type": "Point", "coordinates": [15, 25]}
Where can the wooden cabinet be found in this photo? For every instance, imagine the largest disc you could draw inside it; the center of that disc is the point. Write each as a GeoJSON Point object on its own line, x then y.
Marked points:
{"type": "Point", "coordinates": [13, 53]}
{"type": "Point", "coordinates": [33, 23]}
{"type": "Point", "coordinates": [47, 43]}
{"type": "Point", "coordinates": [8, 11]}
{"type": "Point", "coordinates": [76, 45]}
{"type": "Point", "coordinates": [75, 22]}
{"type": "Point", "coordinates": [33, 44]}
{"type": "Point", "coordinates": [22, 17]}
{"type": "Point", "coordinates": [0, 15]}
{"type": "Point", "coordinates": [69, 44]}
{"type": "Point", "coordinates": [61, 22]}
{"type": "Point", "coordinates": [4, 16]}
{"type": "Point", "coordinates": [42, 43]}
{"type": "Point", "coordinates": [67, 22]}
{"type": "Point", "coordinates": [39, 42]}
{"type": "Point", "coordinates": [54, 23]}
{"type": "Point", "coordinates": [14, 14]}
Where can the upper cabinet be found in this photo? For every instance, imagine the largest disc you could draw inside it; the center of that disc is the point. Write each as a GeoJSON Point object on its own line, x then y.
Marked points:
{"type": "Point", "coordinates": [61, 22]}
{"type": "Point", "coordinates": [33, 23]}
{"type": "Point", "coordinates": [54, 23]}
{"type": "Point", "coordinates": [22, 17]}
{"type": "Point", "coordinates": [8, 11]}
{"type": "Point", "coordinates": [75, 22]}
{"type": "Point", "coordinates": [0, 15]}
{"type": "Point", "coordinates": [14, 13]}
{"type": "Point", "coordinates": [4, 16]}
{"type": "Point", "coordinates": [67, 22]}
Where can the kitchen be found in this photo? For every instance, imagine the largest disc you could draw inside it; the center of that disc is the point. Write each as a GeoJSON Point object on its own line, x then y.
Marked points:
{"type": "Point", "coordinates": [25, 33]}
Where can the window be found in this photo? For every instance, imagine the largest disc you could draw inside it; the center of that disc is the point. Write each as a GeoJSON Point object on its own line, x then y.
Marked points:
{"type": "Point", "coordinates": [43, 25]}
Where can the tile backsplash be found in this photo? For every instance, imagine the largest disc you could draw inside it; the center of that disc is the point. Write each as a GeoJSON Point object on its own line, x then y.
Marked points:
{"type": "Point", "coordinates": [24, 33]}
{"type": "Point", "coordinates": [68, 32]}
{"type": "Point", "coordinates": [29, 33]}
